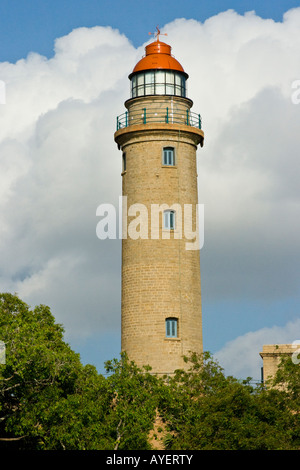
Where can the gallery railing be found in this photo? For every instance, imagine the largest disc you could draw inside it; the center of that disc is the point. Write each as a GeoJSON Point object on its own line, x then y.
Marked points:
{"type": "Point", "coordinates": [153, 115]}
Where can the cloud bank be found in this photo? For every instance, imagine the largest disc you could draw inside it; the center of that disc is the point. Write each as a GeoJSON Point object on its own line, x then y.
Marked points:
{"type": "Point", "coordinates": [59, 162]}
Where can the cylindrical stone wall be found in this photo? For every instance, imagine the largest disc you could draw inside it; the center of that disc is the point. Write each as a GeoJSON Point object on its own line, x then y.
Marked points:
{"type": "Point", "coordinates": [160, 276]}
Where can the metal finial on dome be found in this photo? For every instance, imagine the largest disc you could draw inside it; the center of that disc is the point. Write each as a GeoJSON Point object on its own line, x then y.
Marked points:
{"type": "Point", "coordinates": [158, 33]}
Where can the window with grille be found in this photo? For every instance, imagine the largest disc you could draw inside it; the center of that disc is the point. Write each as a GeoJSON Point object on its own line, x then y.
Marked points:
{"type": "Point", "coordinates": [171, 327]}
{"type": "Point", "coordinates": [169, 156]}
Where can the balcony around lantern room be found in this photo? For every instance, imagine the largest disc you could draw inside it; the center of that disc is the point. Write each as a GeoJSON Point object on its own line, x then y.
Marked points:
{"type": "Point", "coordinates": [154, 109]}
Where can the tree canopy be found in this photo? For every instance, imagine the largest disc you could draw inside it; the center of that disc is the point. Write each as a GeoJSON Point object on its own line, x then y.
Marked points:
{"type": "Point", "coordinates": [208, 411]}
{"type": "Point", "coordinates": [49, 400]}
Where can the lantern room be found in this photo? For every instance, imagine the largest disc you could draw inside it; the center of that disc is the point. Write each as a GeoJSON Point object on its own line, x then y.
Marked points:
{"type": "Point", "coordinates": [158, 73]}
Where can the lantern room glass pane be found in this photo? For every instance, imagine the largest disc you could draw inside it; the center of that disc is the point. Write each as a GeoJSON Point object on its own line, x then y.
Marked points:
{"type": "Point", "coordinates": [149, 83]}
{"type": "Point", "coordinates": [149, 77]}
{"type": "Point", "coordinates": [179, 85]}
{"type": "Point", "coordinates": [170, 83]}
{"type": "Point", "coordinates": [140, 79]}
{"type": "Point", "coordinates": [160, 83]}
{"type": "Point", "coordinates": [170, 78]}
{"type": "Point", "coordinates": [140, 85]}
{"type": "Point", "coordinates": [133, 86]}
{"type": "Point", "coordinates": [178, 79]}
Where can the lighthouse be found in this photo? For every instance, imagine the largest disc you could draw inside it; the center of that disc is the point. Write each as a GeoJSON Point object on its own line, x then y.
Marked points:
{"type": "Point", "coordinates": [158, 135]}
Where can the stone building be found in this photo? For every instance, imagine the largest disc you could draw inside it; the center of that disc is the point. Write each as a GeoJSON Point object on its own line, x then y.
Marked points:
{"type": "Point", "coordinates": [272, 355]}
{"type": "Point", "coordinates": [158, 136]}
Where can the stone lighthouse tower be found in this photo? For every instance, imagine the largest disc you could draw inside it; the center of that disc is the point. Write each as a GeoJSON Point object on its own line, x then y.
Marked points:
{"type": "Point", "coordinates": [158, 136]}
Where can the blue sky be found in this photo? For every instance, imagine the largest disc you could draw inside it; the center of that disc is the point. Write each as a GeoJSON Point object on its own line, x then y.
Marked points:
{"type": "Point", "coordinates": [32, 25]}
{"type": "Point", "coordinates": [56, 145]}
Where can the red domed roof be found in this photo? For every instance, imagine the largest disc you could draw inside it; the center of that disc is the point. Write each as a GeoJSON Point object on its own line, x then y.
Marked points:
{"type": "Point", "coordinates": [158, 56]}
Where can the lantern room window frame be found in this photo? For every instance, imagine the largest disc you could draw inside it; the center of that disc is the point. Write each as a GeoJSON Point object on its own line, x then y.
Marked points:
{"type": "Point", "coordinates": [158, 82]}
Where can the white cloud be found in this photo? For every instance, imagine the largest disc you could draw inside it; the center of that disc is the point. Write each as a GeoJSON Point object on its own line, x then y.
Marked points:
{"type": "Point", "coordinates": [240, 357]}
{"type": "Point", "coordinates": [59, 162]}
{"type": "Point", "coordinates": [241, 73]}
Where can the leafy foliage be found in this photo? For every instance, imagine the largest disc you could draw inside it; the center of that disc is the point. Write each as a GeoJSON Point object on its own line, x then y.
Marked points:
{"type": "Point", "coordinates": [135, 400]}
{"type": "Point", "coordinates": [207, 410]}
{"type": "Point", "coordinates": [49, 400]}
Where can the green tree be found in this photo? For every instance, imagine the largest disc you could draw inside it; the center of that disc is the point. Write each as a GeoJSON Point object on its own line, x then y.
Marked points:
{"type": "Point", "coordinates": [206, 410]}
{"type": "Point", "coordinates": [40, 371]}
{"type": "Point", "coordinates": [287, 379]}
{"type": "Point", "coordinates": [136, 397]}
{"type": "Point", "coordinates": [49, 400]}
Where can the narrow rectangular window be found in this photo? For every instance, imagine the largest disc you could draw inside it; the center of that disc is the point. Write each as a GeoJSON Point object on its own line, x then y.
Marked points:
{"type": "Point", "coordinates": [169, 220]}
{"type": "Point", "coordinates": [124, 162]}
{"type": "Point", "coordinates": [168, 156]}
{"type": "Point", "coordinates": [171, 327]}
{"type": "Point", "coordinates": [172, 220]}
